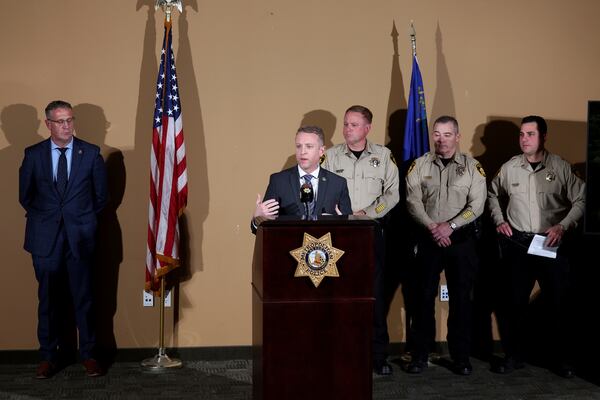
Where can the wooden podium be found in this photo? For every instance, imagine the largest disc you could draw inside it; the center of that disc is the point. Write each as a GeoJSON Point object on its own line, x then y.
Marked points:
{"type": "Point", "coordinates": [313, 342]}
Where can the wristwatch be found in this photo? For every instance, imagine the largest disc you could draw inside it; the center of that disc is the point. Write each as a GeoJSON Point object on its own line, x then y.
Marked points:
{"type": "Point", "coordinates": [452, 225]}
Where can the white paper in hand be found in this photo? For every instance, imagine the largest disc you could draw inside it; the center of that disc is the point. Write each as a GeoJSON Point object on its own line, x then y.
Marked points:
{"type": "Point", "coordinates": [538, 247]}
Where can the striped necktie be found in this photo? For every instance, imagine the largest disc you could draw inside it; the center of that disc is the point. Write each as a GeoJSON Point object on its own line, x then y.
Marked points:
{"type": "Point", "coordinates": [311, 206]}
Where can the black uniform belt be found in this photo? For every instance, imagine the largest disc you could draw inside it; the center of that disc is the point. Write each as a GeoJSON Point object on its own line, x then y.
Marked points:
{"type": "Point", "coordinates": [523, 236]}
{"type": "Point", "coordinates": [519, 239]}
{"type": "Point", "coordinates": [463, 233]}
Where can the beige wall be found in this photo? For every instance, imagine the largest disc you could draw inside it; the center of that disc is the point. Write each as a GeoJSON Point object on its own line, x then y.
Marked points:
{"type": "Point", "coordinates": [250, 72]}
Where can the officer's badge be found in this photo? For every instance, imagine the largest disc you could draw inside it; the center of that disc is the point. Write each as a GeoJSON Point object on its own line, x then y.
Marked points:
{"type": "Point", "coordinates": [374, 162]}
{"type": "Point", "coordinates": [480, 169]}
{"type": "Point", "coordinates": [550, 176]}
{"type": "Point", "coordinates": [460, 170]}
{"type": "Point", "coordinates": [317, 258]}
{"type": "Point", "coordinates": [412, 166]}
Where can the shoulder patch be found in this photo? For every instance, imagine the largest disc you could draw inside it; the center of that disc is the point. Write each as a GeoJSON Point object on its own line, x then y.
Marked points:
{"type": "Point", "coordinates": [322, 159]}
{"type": "Point", "coordinates": [412, 166]}
{"type": "Point", "coordinates": [468, 214]}
{"type": "Point", "coordinates": [480, 169]}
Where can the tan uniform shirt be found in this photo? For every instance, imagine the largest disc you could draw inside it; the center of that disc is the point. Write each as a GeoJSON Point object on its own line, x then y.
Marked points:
{"type": "Point", "coordinates": [537, 200]}
{"type": "Point", "coordinates": [454, 193]}
{"type": "Point", "coordinates": [373, 182]}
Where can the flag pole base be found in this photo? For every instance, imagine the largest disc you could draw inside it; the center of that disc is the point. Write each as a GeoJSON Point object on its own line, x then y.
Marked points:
{"type": "Point", "coordinates": [161, 362]}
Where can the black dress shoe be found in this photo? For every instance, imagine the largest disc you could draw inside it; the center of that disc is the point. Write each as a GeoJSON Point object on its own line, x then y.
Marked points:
{"type": "Point", "coordinates": [462, 368]}
{"type": "Point", "coordinates": [382, 368]}
{"type": "Point", "coordinates": [566, 371]}
{"type": "Point", "coordinates": [45, 370]}
{"type": "Point", "coordinates": [417, 365]}
{"type": "Point", "coordinates": [508, 365]}
{"type": "Point", "coordinates": [92, 368]}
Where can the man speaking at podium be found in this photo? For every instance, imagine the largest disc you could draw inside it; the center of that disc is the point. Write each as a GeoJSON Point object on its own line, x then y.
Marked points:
{"type": "Point", "coordinates": [306, 189]}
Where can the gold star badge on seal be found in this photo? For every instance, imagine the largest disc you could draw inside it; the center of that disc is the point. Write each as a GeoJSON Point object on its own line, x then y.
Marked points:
{"type": "Point", "coordinates": [316, 258]}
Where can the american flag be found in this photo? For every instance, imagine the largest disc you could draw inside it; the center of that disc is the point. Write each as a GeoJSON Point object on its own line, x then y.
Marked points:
{"type": "Point", "coordinates": [168, 172]}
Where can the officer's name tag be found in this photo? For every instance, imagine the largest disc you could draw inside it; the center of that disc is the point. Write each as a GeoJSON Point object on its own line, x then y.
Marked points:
{"type": "Point", "coordinates": [515, 184]}
{"type": "Point", "coordinates": [428, 177]}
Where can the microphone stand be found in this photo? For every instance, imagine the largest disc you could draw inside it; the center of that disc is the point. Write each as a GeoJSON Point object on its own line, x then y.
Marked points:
{"type": "Point", "coordinates": [306, 211]}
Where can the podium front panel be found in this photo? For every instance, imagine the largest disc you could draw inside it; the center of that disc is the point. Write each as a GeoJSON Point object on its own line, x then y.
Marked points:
{"type": "Point", "coordinates": [313, 342]}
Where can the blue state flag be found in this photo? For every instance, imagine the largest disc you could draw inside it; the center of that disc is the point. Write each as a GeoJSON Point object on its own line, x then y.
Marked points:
{"type": "Point", "coordinates": [416, 134]}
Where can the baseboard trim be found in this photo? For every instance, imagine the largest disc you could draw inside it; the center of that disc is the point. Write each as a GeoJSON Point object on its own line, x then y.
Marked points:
{"type": "Point", "coordinates": [139, 354]}
{"type": "Point", "coordinates": [217, 353]}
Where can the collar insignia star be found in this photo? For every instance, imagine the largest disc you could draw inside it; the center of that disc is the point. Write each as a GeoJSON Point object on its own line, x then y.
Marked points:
{"type": "Point", "coordinates": [317, 258]}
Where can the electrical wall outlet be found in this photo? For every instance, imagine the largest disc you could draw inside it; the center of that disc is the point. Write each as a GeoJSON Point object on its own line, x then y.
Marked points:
{"type": "Point", "coordinates": [168, 298]}
{"type": "Point", "coordinates": [444, 293]}
{"type": "Point", "coordinates": [148, 299]}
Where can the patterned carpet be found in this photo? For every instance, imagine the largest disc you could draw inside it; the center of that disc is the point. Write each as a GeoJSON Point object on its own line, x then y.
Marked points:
{"type": "Point", "coordinates": [232, 380]}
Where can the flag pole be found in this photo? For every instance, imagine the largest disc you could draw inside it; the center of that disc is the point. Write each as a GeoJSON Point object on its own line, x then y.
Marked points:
{"type": "Point", "coordinates": [162, 362]}
{"type": "Point", "coordinates": [413, 38]}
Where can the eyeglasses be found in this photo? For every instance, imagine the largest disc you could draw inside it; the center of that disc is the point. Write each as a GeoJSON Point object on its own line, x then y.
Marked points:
{"type": "Point", "coordinates": [67, 121]}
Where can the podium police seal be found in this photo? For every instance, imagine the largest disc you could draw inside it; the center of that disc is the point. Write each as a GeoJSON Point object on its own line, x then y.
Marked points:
{"type": "Point", "coordinates": [316, 258]}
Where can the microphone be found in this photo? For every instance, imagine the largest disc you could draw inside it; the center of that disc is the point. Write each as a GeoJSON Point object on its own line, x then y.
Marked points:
{"type": "Point", "coordinates": [306, 196]}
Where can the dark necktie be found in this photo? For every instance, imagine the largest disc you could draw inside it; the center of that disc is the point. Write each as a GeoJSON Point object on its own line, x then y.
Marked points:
{"type": "Point", "coordinates": [62, 176]}
{"type": "Point", "coordinates": [311, 206]}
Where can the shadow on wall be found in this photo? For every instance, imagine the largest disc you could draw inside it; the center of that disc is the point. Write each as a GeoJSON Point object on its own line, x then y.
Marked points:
{"type": "Point", "coordinates": [321, 118]}
{"type": "Point", "coordinates": [197, 166]}
{"type": "Point", "coordinates": [495, 142]}
{"type": "Point", "coordinates": [20, 124]}
{"type": "Point", "coordinates": [443, 101]}
{"type": "Point", "coordinates": [93, 127]}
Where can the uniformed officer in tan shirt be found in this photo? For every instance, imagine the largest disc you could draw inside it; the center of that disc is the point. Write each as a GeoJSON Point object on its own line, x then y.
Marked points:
{"type": "Point", "coordinates": [373, 185]}
{"type": "Point", "coordinates": [372, 176]}
{"type": "Point", "coordinates": [535, 192]}
{"type": "Point", "coordinates": [445, 194]}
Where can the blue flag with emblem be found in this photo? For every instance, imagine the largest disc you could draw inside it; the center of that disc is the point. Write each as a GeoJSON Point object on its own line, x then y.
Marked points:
{"type": "Point", "coordinates": [416, 134]}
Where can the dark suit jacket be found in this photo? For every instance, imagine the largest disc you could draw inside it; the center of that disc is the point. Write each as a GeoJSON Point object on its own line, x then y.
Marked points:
{"type": "Point", "coordinates": [85, 196]}
{"type": "Point", "coordinates": [284, 187]}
